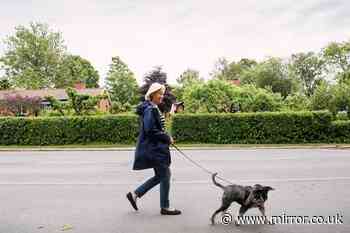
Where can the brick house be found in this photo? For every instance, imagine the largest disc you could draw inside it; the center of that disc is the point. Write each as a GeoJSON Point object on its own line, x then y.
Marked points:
{"type": "Point", "coordinates": [60, 94]}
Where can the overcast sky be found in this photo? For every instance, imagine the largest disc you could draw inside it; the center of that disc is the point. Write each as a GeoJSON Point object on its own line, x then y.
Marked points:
{"type": "Point", "coordinates": [182, 34]}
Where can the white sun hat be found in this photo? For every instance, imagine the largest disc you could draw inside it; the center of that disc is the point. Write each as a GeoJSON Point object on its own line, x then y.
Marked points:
{"type": "Point", "coordinates": [154, 88]}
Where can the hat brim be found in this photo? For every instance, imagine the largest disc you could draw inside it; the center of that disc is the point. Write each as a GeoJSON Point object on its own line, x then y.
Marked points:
{"type": "Point", "coordinates": [154, 90]}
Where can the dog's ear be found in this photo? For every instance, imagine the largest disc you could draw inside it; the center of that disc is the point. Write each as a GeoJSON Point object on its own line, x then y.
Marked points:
{"type": "Point", "coordinates": [268, 188]}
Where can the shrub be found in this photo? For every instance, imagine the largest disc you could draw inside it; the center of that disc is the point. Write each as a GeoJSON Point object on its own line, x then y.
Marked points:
{"type": "Point", "coordinates": [340, 132]}
{"type": "Point", "coordinates": [18, 105]}
{"type": "Point", "coordinates": [68, 130]}
{"type": "Point", "coordinates": [272, 127]}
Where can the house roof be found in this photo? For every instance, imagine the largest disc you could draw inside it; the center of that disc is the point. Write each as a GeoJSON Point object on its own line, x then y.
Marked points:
{"type": "Point", "coordinates": [236, 82]}
{"type": "Point", "coordinates": [59, 94]}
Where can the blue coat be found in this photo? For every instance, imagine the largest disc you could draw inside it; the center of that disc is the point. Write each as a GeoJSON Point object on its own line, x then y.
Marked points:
{"type": "Point", "coordinates": [152, 148]}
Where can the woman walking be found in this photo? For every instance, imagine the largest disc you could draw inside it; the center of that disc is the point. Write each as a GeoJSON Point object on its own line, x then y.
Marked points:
{"type": "Point", "coordinates": [152, 150]}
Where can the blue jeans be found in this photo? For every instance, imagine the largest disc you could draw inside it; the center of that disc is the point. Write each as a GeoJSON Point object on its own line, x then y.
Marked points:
{"type": "Point", "coordinates": [162, 177]}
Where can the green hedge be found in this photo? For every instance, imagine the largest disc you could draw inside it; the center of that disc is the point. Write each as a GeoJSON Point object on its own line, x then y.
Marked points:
{"type": "Point", "coordinates": [257, 128]}
{"type": "Point", "coordinates": [238, 128]}
{"type": "Point", "coordinates": [68, 130]}
{"type": "Point", "coordinates": [340, 131]}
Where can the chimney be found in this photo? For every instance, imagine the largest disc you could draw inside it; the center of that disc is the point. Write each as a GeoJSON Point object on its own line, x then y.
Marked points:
{"type": "Point", "coordinates": [79, 85]}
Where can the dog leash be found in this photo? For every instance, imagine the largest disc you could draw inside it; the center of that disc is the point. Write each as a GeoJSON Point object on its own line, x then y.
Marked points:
{"type": "Point", "coordinates": [198, 165]}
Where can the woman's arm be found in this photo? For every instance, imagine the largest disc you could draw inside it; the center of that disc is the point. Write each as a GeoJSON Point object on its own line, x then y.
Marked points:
{"type": "Point", "coordinates": [151, 130]}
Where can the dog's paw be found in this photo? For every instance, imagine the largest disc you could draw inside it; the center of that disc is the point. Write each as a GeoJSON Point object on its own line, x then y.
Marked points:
{"type": "Point", "coordinates": [212, 222]}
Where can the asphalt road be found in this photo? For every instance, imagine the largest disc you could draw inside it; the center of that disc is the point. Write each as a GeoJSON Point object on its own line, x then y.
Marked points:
{"type": "Point", "coordinates": [84, 191]}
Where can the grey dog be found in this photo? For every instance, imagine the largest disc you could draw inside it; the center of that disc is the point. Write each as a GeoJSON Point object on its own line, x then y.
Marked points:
{"type": "Point", "coordinates": [247, 196]}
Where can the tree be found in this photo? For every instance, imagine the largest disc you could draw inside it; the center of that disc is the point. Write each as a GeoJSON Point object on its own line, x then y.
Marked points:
{"type": "Point", "coordinates": [178, 91]}
{"type": "Point", "coordinates": [246, 63]}
{"type": "Point", "coordinates": [32, 56]}
{"type": "Point", "coordinates": [337, 56]}
{"type": "Point", "coordinates": [195, 98]}
{"type": "Point", "coordinates": [322, 97]}
{"type": "Point", "coordinates": [220, 68]}
{"type": "Point", "coordinates": [57, 105]}
{"type": "Point", "coordinates": [296, 102]}
{"type": "Point", "coordinates": [121, 85]}
{"type": "Point", "coordinates": [308, 68]}
{"type": "Point", "coordinates": [157, 75]}
{"type": "Point", "coordinates": [334, 98]}
{"type": "Point", "coordinates": [344, 77]}
{"type": "Point", "coordinates": [340, 100]}
{"type": "Point", "coordinates": [82, 104]}
{"type": "Point", "coordinates": [231, 71]}
{"type": "Point", "coordinates": [4, 84]}
{"type": "Point", "coordinates": [188, 77]}
{"type": "Point", "coordinates": [271, 74]}
{"type": "Point", "coordinates": [218, 96]}
{"type": "Point", "coordinates": [254, 99]}
{"type": "Point", "coordinates": [75, 69]}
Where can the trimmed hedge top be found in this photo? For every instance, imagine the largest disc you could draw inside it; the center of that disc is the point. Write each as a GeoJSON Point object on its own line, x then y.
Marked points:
{"type": "Point", "coordinates": [238, 128]}
{"type": "Point", "coordinates": [68, 130]}
{"type": "Point", "coordinates": [257, 128]}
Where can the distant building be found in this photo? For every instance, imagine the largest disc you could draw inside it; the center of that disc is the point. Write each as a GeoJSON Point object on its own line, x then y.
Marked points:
{"type": "Point", "coordinates": [60, 94]}
{"type": "Point", "coordinates": [236, 82]}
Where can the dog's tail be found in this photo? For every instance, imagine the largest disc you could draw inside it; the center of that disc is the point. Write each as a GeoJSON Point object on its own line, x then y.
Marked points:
{"type": "Point", "coordinates": [215, 182]}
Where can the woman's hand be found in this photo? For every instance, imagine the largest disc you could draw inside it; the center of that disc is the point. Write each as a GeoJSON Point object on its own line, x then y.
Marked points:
{"type": "Point", "coordinates": [171, 140]}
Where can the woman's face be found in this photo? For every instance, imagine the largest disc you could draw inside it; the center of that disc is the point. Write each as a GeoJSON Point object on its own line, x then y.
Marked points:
{"type": "Point", "coordinates": [157, 97]}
